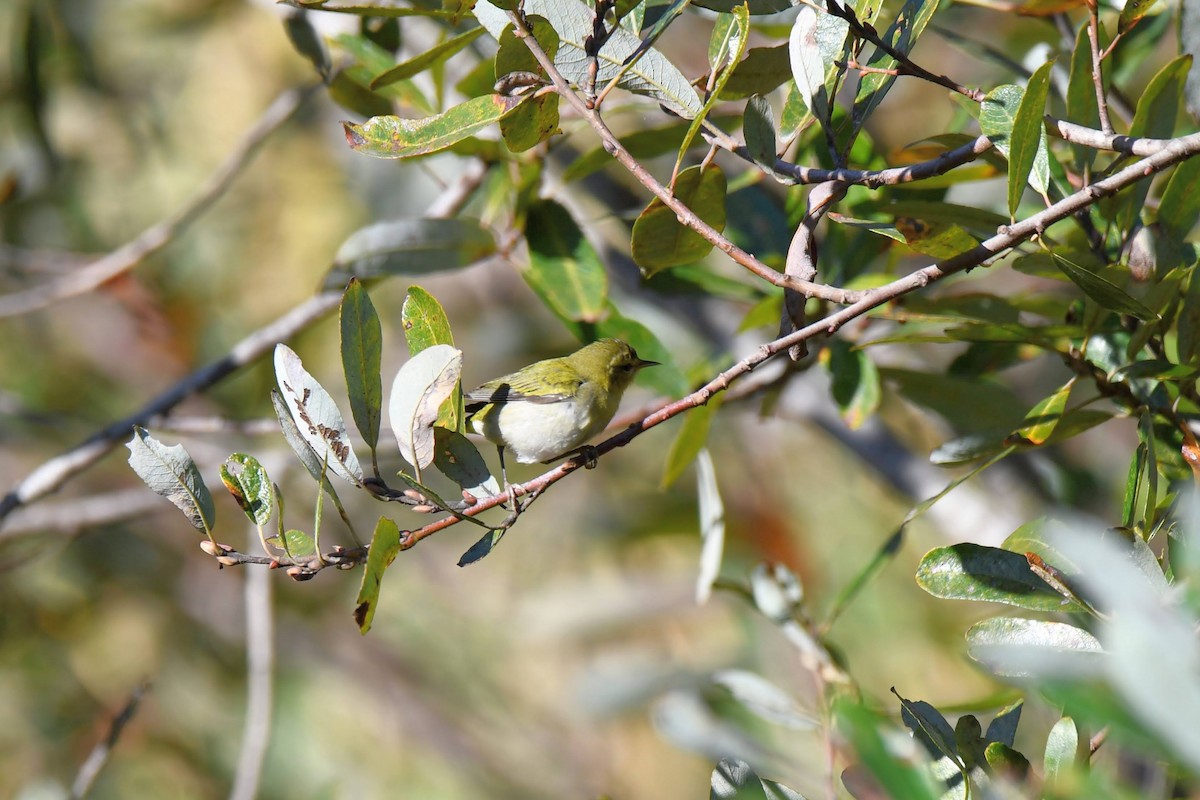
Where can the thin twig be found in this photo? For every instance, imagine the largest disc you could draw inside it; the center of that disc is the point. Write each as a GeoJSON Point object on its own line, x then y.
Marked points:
{"type": "Point", "coordinates": [686, 215]}
{"type": "Point", "coordinates": [99, 756]}
{"type": "Point", "coordinates": [162, 233]}
{"type": "Point", "coordinates": [1097, 72]}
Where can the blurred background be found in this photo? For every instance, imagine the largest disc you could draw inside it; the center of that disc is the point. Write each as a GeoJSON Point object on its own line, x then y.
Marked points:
{"type": "Point", "coordinates": [572, 662]}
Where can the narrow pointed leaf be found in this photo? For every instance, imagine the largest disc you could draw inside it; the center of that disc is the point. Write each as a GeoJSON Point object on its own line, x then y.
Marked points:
{"type": "Point", "coordinates": [483, 547]}
{"type": "Point", "coordinates": [171, 473]}
{"type": "Point", "coordinates": [437, 54]}
{"type": "Point", "coordinates": [316, 416]}
{"type": "Point", "coordinates": [368, 9]}
{"type": "Point", "coordinates": [1103, 291]}
{"type": "Point", "coordinates": [1043, 418]}
{"type": "Point", "coordinates": [1157, 110]}
{"type": "Point", "coordinates": [385, 545]}
{"type": "Point", "coordinates": [735, 44]}
{"type": "Point", "coordinates": [362, 351]}
{"type": "Point", "coordinates": [1028, 144]}
{"type": "Point", "coordinates": [421, 386]}
{"type": "Point", "coordinates": [808, 66]}
{"type": "Point", "coordinates": [247, 481]}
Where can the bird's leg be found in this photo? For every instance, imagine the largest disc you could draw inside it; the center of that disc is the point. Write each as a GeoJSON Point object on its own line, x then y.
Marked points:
{"type": "Point", "coordinates": [508, 487]}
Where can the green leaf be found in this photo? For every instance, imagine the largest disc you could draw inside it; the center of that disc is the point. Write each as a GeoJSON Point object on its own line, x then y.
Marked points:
{"type": "Point", "coordinates": [247, 481]}
{"type": "Point", "coordinates": [1081, 93]}
{"type": "Point", "coordinates": [458, 459]}
{"type": "Point", "coordinates": [1103, 291]}
{"type": "Point", "coordinates": [902, 35]}
{"type": "Point", "coordinates": [1003, 727]}
{"type": "Point", "coordinates": [437, 54]}
{"type": "Point", "coordinates": [734, 45]}
{"type": "Point", "coordinates": [171, 473]}
{"type": "Point", "coordinates": [723, 40]}
{"type": "Point", "coordinates": [653, 75]}
{"type": "Point", "coordinates": [1028, 154]}
{"type": "Point", "coordinates": [297, 544]}
{"type": "Point", "coordinates": [368, 9]}
{"type": "Point", "coordinates": [1012, 647]}
{"type": "Point", "coordinates": [1007, 762]}
{"type": "Point", "coordinates": [424, 320]}
{"type": "Point", "coordinates": [483, 547]}
{"type": "Point", "coordinates": [395, 137]}
{"type": "Point", "coordinates": [1179, 206]}
{"type": "Point", "coordinates": [974, 572]}
{"type": "Point", "coordinates": [366, 59]}
{"type": "Point", "coordinates": [421, 385]}
{"type": "Point", "coordinates": [1188, 325]}
{"type": "Point", "coordinates": [661, 241]}
{"type": "Point", "coordinates": [385, 545]}
{"type": "Point", "coordinates": [997, 114]}
{"type": "Point", "coordinates": [935, 239]}
{"type": "Point", "coordinates": [316, 415]}
{"type": "Point", "coordinates": [1132, 13]}
{"type": "Point", "coordinates": [563, 266]}
{"type": "Point", "coordinates": [409, 247]}
{"type": "Point", "coordinates": [856, 388]}
{"type": "Point", "coordinates": [362, 351]}
{"type": "Point", "coordinates": [759, 129]}
{"type": "Point", "coordinates": [1062, 750]}
{"type": "Point", "coordinates": [537, 119]}
{"type": "Point", "coordinates": [762, 71]}
{"type": "Point", "coordinates": [757, 7]}
{"type": "Point", "coordinates": [1043, 418]}
{"type": "Point", "coordinates": [691, 439]}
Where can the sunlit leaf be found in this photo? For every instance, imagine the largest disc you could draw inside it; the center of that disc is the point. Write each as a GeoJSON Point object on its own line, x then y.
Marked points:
{"type": "Point", "coordinates": [397, 137]}
{"type": "Point", "coordinates": [975, 572]}
{"type": "Point", "coordinates": [385, 545]}
{"type": "Point", "coordinates": [247, 481]}
{"type": "Point", "coordinates": [433, 56]}
{"type": "Point", "coordinates": [1013, 647]}
{"type": "Point", "coordinates": [421, 385]}
{"type": "Point", "coordinates": [317, 417]}
{"type": "Point", "coordinates": [171, 473]}
{"type": "Point", "coordinates": [1103, 291]}
{"type": "Point", "coordinates": [1028, 154]}
{"type": "Point", "coordinates": [1044, 417]}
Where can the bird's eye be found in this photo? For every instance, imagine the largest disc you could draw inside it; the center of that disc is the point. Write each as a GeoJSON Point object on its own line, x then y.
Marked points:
{"type": "Point", "coordinates": [627, 367]}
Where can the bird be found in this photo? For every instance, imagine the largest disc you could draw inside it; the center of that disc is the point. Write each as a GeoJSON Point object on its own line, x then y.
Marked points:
{"type": "Point", "coordinates": [551, 408]}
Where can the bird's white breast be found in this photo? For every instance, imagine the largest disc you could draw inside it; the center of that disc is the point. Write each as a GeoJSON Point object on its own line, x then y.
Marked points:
{"type": "Point", "coordinates": [540, 431]}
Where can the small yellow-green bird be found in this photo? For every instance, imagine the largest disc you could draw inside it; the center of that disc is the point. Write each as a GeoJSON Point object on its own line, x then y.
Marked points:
{"type": "Point", "coordinates": [552, 407]}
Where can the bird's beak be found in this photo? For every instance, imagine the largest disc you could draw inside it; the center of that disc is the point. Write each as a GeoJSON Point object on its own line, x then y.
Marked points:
{"type": "Point", "coordinates": [642, 363]}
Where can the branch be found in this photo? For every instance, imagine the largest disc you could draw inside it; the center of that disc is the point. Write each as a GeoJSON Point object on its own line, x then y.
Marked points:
{"type": "Point", "coordinates": [642, 175]}
{"type": "Point", "coordinates": [256, 733]}
{"type": "Point", "coordinates": [159, 235]}
{"type": "Point", "coordinates": [52, 474]}
{"type": "Point", "coordinates": [1007, 237]}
